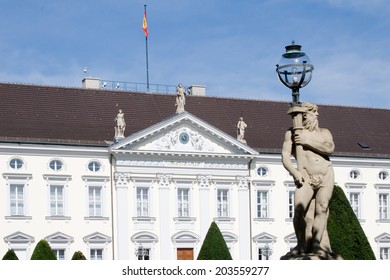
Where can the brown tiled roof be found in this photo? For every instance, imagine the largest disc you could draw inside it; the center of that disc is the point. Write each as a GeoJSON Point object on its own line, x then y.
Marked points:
{"type": "Point", "coordinates": [63, 115]}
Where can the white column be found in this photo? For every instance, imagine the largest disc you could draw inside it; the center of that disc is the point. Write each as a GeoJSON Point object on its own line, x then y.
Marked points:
{"type": "Point", "coordinates": [244, 221]}
{"type": "Point", "coordinates": [205, 216]}
{"type": "Point", "coordinates": [164, 217]}
{"type": "Point", "coordinates": [122, 215]}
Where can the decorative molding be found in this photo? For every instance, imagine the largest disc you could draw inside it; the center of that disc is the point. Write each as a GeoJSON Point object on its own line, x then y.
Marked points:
{"type": "Point", "coordinates": [193, 164]}
{"type": "Point", "coordinates": [204, 181]}
{"type": "Point", "coordinates": [163, 180]}
{"type": "Point", "coordinates": [121, 179]}
{"type": "Point", "coordinates": [242, 182]}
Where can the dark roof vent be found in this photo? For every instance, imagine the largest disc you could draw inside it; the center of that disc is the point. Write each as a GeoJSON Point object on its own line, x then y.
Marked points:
{"type": "Point", "coordinates": [363, 145]}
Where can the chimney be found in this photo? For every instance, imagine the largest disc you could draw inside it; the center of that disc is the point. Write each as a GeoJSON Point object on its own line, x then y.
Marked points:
{"type": "Point", "coordinates": [92, 83]}
{"type": "Point", "coordinates": [197, 90]}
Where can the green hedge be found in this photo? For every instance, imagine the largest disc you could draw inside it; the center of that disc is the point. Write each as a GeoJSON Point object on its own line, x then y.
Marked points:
{"type": "Point", "coordinates": [214, 246]}
{"type": "Point", "coordinates": [10, 255]}
{"type": "Point", "coordinates": [346, 235]}
{"type": "Point", "coordinates": [78, 255]}
{"type": "Point", "coordinates": [43, 251]}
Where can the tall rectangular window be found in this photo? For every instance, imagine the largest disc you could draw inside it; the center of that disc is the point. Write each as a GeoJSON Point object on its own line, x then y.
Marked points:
{"type": "Point", "coordinates": [60, 254]}
{"type": "Point", "coordinates": [183, 207]}
{"type": "Point", "coordinates": [262, 204]}
{"type": "Point", "coordinates": [56, 200]}
{"type": "Point", "coordinates": [142, 202]}
{"type": "Point", "coordinates": [383, 206]}
{"type": "Point", "coordinates": [17, 203]}
{"type": "Point", "coordinates": [384, 253]}
{"type": "Point", "coordinates": [354, 200]}
{"type": "Point", "coordinates": [95, 201]}
{"type": "Point", "coordinates": [222, 203]}
{"type": "Point", "coordinates": [96, 254]}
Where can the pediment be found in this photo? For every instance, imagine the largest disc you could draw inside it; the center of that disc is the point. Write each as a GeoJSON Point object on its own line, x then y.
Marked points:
{"type": "Point", "coordinates": [183, 133]}
{"type": "Point", "coordinates": [97, 237]}
{"type": "Point", "coordinates": [19, 237]}
{"type": "Point", "coordinates": [383, 238]}
{"type": "Point", "coordinates": [59, 237]}
{"type": "Point", "coordinates": [264, 238]}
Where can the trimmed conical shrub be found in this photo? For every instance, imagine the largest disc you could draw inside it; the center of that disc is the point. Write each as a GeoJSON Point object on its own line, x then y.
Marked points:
{"type": "Point", "coordinates": [214, 246]}
{"type": "Point", "coordinates": [10, 256]}
{"type": "Point", "coordinates": [43, 251]}
{"type": "Point", "coordinates": [346, 235]}
{"type": "Point", "coordinates": [78, 255]}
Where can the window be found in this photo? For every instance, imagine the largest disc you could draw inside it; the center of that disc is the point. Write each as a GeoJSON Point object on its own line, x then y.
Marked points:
{"type": "Point", "coordinates": [183, 203]}
{"type": "Point", "coordinates": [96, 254]}
{"type": "Point", "coordinates": [16, 163]}
{"type": "Point", "coordinates": [56, 200]}
{"type": "Point", "coordinates": [56, 165]}
{"type": "Point", "coordinates": [57, 193]}
{"type": "Point", "coordinates": [383, 175]}
{"type": "Point", "coordinates": [261, 199]}
{"type": "Point", "coordinates": [222, 203]}
{"type": "Point", "coordinates": [60, 254]}
{"type": "Point", "coordinates": [354, 174]}
{"type": "Point", "coordinates": [142, 202]}
{"type": "Point", "coordinates": [17, 195]}
{"type": "Point", "coordinates": [354, 200]}
{"type": "Point", "coordinates": [94, 166]}
{"type": "Point", "coordinates": [384, 253]}
{"type": "Point", "coordinates": [262, 204]}
{"type": "Point", "coordinates": [383, 206]}
{"type": "Point", "coordinates": [262, 171]}
{"type": "Point", "coordinates": [17, 199]}
{"type": "Point", "coordinates": [95, 201]}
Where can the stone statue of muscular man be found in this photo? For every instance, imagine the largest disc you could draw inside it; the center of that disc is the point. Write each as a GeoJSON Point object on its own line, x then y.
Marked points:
{"type": "Point", "coordinates": [314, 180]}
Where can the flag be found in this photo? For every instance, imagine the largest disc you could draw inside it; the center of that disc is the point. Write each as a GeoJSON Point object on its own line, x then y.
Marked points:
{"type": "Point", "coordinates": [145, 25]}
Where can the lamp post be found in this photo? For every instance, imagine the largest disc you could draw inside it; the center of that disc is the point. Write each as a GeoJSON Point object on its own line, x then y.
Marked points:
{"type": "Point", "coordinates": [267, 251]}
{"type": "Point", "coordinates": [295, 71]}
{"type": "Point", "coordinates": [141, 253]}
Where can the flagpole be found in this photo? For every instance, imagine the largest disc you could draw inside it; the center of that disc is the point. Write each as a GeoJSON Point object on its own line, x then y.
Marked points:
{"type": "Point", "coordinates": [147, 59]}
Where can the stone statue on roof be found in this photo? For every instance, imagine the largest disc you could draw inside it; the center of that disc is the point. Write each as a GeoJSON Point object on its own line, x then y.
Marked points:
{"type": "Point", "coordinates": [241, 128]}
{"type": "Point", "coordinates": [180, 99]}
{"type": "Point", "coordinates": [120, 125]}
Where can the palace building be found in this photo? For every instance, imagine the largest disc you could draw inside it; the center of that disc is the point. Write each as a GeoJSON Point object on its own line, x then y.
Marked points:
{"type": "Point", "coordinates": [146, 182]}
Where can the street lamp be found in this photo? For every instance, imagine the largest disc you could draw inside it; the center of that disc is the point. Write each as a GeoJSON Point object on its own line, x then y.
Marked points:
{"type": "Point", "coordinates": [267, 251]}
{"type": "Point", "coordinates": [294, 70]}
{"type": "Point", "coordinates": [141, 253]}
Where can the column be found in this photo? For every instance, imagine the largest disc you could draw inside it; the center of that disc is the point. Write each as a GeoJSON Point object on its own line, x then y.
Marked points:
{"type": "Point", "coordinates": [122, 215]}
{"type": "Point", "coordinates": [204, 182]}
{"type": "Point", "coordinates": [244, 220]}
{"type": "Point", "coordinates": [164, 217]}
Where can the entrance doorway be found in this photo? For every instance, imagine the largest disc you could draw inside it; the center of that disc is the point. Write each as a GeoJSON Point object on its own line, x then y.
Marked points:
{"type": "Point", "coordinates": [185, 253]}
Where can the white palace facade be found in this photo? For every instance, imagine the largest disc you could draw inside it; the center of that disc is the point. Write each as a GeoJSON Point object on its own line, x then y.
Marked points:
{"type": "Point", "coordinates": [154, 193]}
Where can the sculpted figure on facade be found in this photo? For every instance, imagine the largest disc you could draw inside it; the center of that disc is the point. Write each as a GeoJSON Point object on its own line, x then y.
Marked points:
{"type": "Point", "coordinates": [120, 125]}
{"type": "Point", "coordinates": [314, 180]}
{"type": "Point", "coordinates": [241, 128]}
{"type": "Point", "coordinates": [180, 99]}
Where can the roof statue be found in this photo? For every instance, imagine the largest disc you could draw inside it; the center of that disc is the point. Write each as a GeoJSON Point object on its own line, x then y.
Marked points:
{"type": "Point", "coordinates": [180, 99]}
{"type": "Point", "coordinates": [241, 128]}
{"type": "Point", "coordinates": [314, 180]}
{"type": "Point", "coordinates": [120, 125]}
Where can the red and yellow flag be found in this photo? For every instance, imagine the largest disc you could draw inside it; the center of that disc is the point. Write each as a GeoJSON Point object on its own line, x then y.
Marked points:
{"type": "Point", "coordinates": [145, 25]}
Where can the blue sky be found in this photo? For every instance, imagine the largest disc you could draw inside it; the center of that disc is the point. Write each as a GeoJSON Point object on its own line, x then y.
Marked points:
{"type": "Point", "coordinates": [229, 46]}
